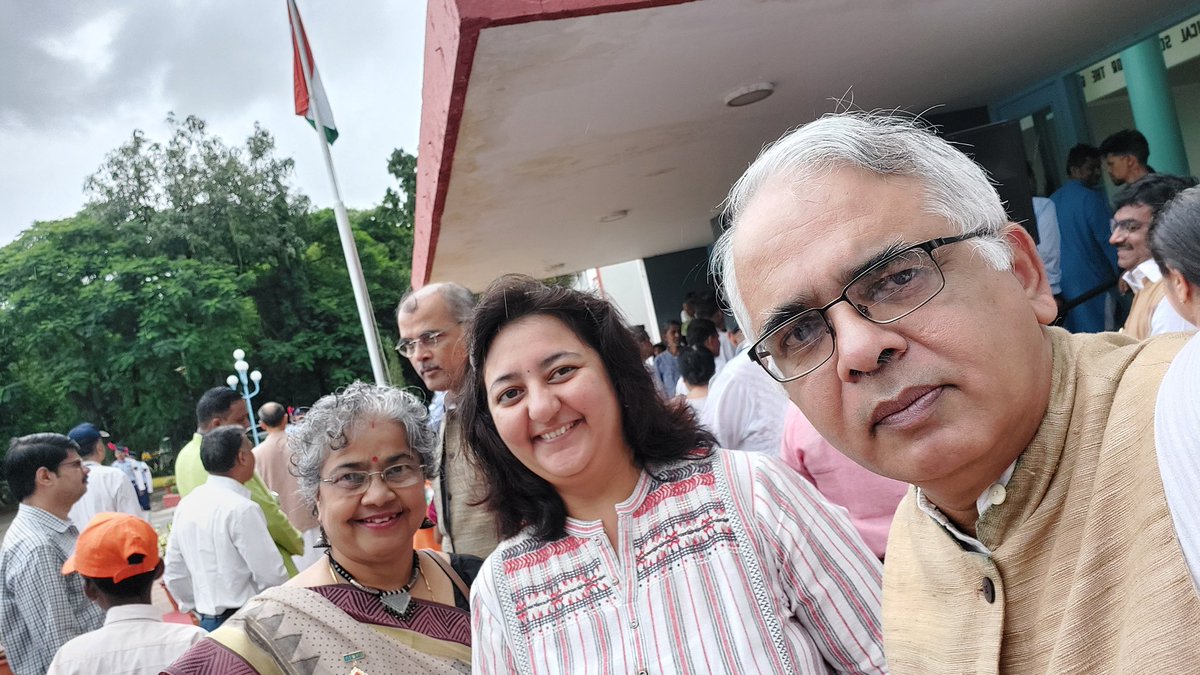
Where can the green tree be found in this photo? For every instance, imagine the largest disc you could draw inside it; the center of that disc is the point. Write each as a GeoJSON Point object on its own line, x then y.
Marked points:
{"type": "Point", "coordinates": [95, 332]}
{"type": "Point", "coordinates": [323, 340]}
{"type": "Point", "coordinates": [123, 314]}
{"type": "Point", "coordinates": [195, 197]}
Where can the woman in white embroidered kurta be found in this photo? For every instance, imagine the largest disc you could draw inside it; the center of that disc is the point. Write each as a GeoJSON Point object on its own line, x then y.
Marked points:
{"type": "Point", "coordinates": [632, 545]}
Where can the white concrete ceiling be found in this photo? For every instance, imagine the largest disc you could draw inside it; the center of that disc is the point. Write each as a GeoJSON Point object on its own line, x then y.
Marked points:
{"type": "Point", "coordinates": [567, 121]}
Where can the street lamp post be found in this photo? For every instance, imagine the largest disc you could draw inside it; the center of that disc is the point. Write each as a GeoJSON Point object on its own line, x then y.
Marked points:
{"type": "Point", "coordinates": [240, 365]}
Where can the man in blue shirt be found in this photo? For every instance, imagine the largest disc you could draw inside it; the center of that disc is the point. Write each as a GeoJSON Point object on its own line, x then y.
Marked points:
{"type": "Point", "coordinates": [1088, 260]}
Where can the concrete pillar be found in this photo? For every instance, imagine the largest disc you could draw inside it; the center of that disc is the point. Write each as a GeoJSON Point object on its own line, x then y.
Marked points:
{"type": "Point", "coordinates": [1153, 106]}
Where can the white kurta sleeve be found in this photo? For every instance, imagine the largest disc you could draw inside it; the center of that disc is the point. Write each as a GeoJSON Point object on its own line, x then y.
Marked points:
{"type": "Point", "coordinates": [832, 580]}
{"type": "Point", "coordinates": [490, 651]}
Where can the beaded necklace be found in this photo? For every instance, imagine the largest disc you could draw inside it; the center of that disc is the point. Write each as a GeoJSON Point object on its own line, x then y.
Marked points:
{"type": "Point", "coordinates": [397, 602]}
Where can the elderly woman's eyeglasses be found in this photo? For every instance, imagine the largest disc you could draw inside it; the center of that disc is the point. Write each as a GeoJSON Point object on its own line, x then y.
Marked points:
{"type": "Point", "coordinates": [407, 348]}
{"type": "Point", "coordinates": [887, 291]}
{"type": "Point", "coordinates": [395, 476]}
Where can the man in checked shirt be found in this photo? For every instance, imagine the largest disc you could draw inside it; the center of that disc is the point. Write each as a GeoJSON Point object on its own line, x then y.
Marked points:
{"type": "Point", "coordinates": [40, 608]}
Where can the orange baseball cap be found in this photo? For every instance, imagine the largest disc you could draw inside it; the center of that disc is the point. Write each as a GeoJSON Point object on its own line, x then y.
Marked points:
{"type": "Point", "coordinates": [110, 545]}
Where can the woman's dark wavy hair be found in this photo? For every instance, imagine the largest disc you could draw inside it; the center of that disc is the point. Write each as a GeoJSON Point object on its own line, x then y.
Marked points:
{"type": "Point", "coordinates": [659, 432]}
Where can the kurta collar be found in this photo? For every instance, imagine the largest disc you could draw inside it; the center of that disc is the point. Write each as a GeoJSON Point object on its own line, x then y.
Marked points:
{"type": "Point", "coordinates": [628, 507]}
{"type": "Point", "coordinates": [227, 483]}
{"type": "Point", "coordinates": [132, 613]}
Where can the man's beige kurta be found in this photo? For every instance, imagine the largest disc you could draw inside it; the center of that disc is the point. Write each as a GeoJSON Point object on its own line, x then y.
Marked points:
{"type": "Point", "coordinates": [1141, 313]}
{"type": "Point", "coordinates": [466, 526]}
{"type": "Point", "coordinates": [1086, 574]}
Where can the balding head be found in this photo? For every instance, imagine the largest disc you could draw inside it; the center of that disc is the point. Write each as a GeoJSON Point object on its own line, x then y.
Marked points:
{"type": "Point", "coordinates": [457, 299]}
{"type": "Point", "coordinates": [430, 323]}
{"type": "Point", "coordinates": [273, 416]}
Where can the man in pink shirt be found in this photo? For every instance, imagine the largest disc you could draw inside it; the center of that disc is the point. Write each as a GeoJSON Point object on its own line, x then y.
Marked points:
{"type": "Point", "coordinates": [871, 499]}
{"type": "Point", "coordinates": [274, 461]}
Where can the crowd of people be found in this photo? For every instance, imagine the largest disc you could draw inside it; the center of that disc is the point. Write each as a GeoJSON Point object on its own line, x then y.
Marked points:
{"type": "Point", "coordinates": [895, 461]}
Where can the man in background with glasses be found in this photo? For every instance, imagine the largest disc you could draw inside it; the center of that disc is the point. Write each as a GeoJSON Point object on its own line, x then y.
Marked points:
{"type": "Point", "coordinates": [1137, 208]}
{"type": "Point", "coordinates": [40, 608]}
{"type": "Point", "coordinates": [430, 322]}
{"type": "Point", "coordinates": [879, 279]}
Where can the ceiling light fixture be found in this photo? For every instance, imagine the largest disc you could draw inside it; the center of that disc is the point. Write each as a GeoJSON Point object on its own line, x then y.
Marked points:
{"type": "Point", "coordinates": [749, 94]}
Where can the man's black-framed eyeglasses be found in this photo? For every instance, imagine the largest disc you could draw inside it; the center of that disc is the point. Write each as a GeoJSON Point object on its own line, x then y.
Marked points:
{"type": "Point", "coordinates": [428, 339]}
{"type": "Point", "coordinates": [886, 292]}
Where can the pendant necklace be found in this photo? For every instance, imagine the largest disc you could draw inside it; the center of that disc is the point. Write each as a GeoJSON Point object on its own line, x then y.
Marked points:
{"type": "Point", "coordinates": [397, 602]}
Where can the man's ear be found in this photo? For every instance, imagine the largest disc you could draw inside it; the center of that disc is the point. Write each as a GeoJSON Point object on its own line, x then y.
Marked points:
{"type": "Point", "coordinates": [90, 591]}
{"type": "Point", "coordinates": [1027, 267]}
{"type": "Point", "coordinates": [1183, 290]}
{"type": "Point", "coordinates": [43, 476]}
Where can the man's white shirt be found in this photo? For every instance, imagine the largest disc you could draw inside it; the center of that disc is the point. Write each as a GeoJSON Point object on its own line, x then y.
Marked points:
{"type": "Point", "coordinates": [108, 489]}
{"type": "Point", "coordinates": [142, 470]}
{"type": "Point", "coordinates": [1164, 319]}
{"type": "Point", "coordinates": [1049, 246]}
{"type": "Point", "coordinates": [133, 641]}
{"type": "Point", "coordinates": [728, 350]}
{"type": "Point", "coordinates": [746, 407]}
{"type": "Point", "coordinates": [130, 469]}
{"type": "Point", "coordinates": [220, 553]}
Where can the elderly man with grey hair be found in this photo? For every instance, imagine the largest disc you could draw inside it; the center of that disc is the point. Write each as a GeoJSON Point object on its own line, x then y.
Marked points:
{"type": "Point", "coordinates": [879, 279]}
{"type": "Point", "coordinates": [431, 322]}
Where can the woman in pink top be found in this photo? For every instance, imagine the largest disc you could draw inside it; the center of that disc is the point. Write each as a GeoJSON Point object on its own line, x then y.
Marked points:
{"type": "Point", "coordinates": [870, 499]}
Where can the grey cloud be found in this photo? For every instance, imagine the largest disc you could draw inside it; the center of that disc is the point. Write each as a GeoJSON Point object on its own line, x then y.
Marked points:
{"type": "Point", "coordinates": [215, 56]}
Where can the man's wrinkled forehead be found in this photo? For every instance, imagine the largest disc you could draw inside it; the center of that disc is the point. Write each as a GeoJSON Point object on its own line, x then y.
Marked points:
{"type": "Point", "coordinates": [800, 240]}
{"type": "Point", "coordinates": [422, 312]}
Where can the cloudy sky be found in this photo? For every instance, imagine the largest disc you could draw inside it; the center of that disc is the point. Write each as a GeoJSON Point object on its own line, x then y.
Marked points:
{"type": "Point", "coordinates": [80, 76]}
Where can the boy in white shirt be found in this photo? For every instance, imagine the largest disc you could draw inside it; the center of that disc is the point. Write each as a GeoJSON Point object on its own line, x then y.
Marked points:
{"type": "Point", "coordinates": [117, 556]}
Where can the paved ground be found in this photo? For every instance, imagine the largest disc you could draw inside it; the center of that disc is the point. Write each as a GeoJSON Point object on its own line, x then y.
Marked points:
{"type": "Point", "coordinates": [160, 518]}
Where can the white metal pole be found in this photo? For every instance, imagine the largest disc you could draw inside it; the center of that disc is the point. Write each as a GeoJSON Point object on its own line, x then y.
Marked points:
{"type": "Point", "coordinates": [349, 249]}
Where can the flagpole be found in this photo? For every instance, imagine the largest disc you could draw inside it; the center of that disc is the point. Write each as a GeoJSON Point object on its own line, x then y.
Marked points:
{"type": "Point", "coordinates": [349, 249]}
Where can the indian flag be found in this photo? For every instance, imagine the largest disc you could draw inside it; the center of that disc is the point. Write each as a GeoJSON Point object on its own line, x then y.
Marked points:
{"type": "Point", "coordinates": [311, 103]}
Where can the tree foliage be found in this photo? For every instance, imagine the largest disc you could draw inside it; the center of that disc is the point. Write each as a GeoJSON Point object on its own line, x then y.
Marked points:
{"type": "Point", "coordinates": [125, 313]}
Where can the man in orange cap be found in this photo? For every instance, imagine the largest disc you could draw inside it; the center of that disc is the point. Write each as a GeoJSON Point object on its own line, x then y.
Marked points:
{"type": "Point", "coordinates": [117, 556]}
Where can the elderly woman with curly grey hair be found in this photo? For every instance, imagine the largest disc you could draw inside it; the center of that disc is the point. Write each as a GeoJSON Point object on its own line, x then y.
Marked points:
{"type": "Point", "coordinates": [374, 603]}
